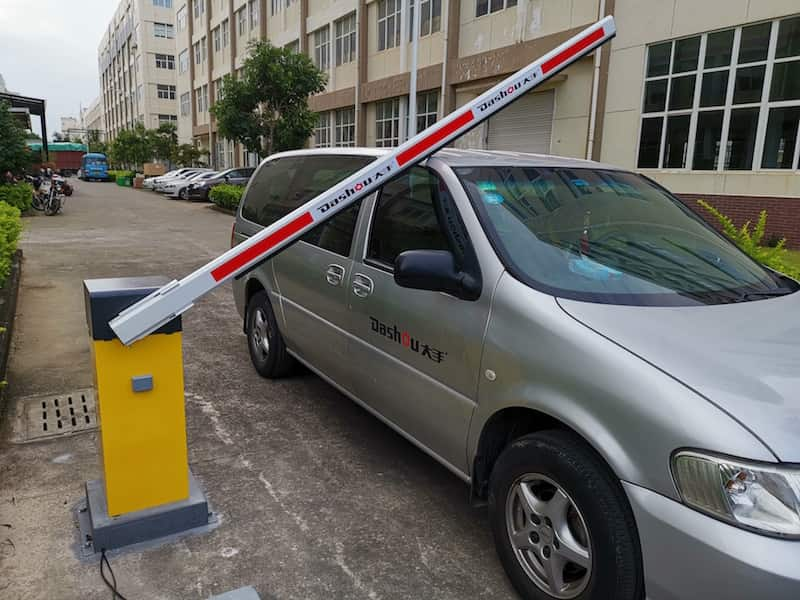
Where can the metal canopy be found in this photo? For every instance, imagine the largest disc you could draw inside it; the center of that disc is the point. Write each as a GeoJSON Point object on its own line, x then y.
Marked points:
{"type": "Point", "coordinates": [35, 106]}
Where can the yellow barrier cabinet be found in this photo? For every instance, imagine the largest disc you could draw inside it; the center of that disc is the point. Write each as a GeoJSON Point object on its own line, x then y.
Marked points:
{"type": "Point", "coordinates": [140, 402]}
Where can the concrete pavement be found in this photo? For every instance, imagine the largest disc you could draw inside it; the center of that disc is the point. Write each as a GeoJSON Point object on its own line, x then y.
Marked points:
{"type": "Point", "coordinates": [317, 499]}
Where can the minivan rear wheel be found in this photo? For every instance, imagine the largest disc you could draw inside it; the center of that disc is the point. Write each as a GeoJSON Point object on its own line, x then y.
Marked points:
{"type": "Point", "coordinates": [562, 525]}
{"type": "Point", "coordinates": [264, 340]}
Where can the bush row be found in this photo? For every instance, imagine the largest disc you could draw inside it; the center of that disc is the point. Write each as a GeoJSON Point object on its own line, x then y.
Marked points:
{"type": "Point", "coordinates": [17, 194]}
{"type": "Point", "coordinates": [10, 228]}
{"type": "Point", "coordinates": [226, 196]}
{"type": "Point", "coordinates": [113, 174]}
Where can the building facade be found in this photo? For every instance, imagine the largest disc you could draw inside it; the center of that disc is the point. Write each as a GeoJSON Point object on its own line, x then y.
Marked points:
{"type": "Point", "coordinates": [136, 60]}
{"type": "Point", "coordinates": [94, 119]}
{"type": "Point", "coordinates": [703, 97]}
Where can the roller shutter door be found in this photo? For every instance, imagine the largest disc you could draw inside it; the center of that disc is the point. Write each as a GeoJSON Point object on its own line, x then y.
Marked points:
{"type": "Point", "coordinates": [525, 126]}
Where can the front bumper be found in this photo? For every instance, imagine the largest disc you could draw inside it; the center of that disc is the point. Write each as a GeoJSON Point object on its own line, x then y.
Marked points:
{"type": "Point", "coordinates": [197, 193]}
{"type": "Point", "coordinates": [688, 555]}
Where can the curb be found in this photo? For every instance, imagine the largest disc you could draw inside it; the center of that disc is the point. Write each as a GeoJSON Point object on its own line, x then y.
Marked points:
{"type": "Point", "coordinates": [227, 211]}
{"type": "Point", "coordinates": [8, 307]}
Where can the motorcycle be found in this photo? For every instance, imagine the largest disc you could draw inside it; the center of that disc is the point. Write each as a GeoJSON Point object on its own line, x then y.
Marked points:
{"type": "Point", "coordinates": [48, 194]}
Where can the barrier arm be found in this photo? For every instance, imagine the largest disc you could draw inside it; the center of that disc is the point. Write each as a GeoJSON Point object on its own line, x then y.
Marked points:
{"type": "Point", "coordinates": [176, 297]}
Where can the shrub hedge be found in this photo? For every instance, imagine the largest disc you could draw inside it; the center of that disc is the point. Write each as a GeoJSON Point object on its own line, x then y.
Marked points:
{"type": "Point", "coordinates": [113, 174]}
{"type": "Point", "coordinates": [226, 196]}
{"type": "Point", "coordinates": [10, 228]}
{"type": "Point", "coordinates": [17, 194]}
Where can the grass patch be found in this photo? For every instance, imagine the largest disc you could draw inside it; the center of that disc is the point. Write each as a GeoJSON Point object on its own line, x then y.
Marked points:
{"type": "Point", "coordinates": [792, 258]}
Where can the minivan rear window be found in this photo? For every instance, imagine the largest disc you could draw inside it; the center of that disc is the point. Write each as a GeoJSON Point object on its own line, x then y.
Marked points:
{"type": "Point", "coordinates": [284, 184]}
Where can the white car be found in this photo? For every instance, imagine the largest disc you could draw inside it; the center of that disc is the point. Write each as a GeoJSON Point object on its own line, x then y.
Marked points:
{"type": "Point", "coordinates": [178, 188]}
{"type": "Point", "coordinates": [162, 186]}
{"type": "Point", "coordinates": [150, 182]}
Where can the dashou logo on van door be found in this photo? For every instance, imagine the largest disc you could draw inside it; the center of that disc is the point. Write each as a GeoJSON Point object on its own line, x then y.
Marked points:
{"type": "Point", "coordinates": [406, 340]}
{"type": "Point", "coordinates": [355, 188]}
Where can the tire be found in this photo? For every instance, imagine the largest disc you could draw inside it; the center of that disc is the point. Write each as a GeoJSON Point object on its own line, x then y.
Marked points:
{"type": "Point", "coordinates": [556, 478]}
{"type": "Point", "coordinates": [270, 359]}
{"type": "Point", "coordinates": [183, 194]}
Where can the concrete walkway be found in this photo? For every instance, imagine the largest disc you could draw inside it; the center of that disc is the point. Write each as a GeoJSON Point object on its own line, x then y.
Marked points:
{"type": "Point", "coordinates": [317, 499]}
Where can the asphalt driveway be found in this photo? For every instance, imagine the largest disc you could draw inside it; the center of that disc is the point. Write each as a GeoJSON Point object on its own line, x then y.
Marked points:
{"type": "Point", "coordinates": [316, 498]}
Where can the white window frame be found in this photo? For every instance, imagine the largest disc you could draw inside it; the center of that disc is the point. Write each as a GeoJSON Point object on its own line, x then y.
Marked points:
{"type": "Point", "coordinates": [199, 8]}
{"type": "Point", "coordinates": [764, 105]}
{"type": "Point", "coordinates": [492, 6]}
{"type": "Point", "coordinates": [345, 127]}
{"type": "Point", "coordinates": [387, 111]}
{"type": "Point", "coordinates": [253, 14]}
{"type": "Point", "coordinates": [180, 18]}
{"type": "Point", "coordinates": [242, 20]}
{"type": "Point", "coordinates": [165, 91]}
{"type": "Point", "coordinates": [225, 26]}
{"type": "Point", "coordinates": [165, 61]}
{"type": "Point", "coordinates": [345, 34]}
{"type": "Point", "coordinates": [431, 9]}
{"type": "Point", "coordinates": [388, 24]}
{"type": "Point", "coordinates": [183, 62]}
{"type": "Point", "coordinates": [162, 3]}
{"type": "Point", "coordinates": [322, 47]}
{"type": "Point", "coordinates": [322, 130]}
{"type": "Point", "coordinates": [167, 119]}
{"type": "Point", "coordinates": [163, 31]}
{"type": "Point", "coordinates": [217, 37]}
{"type": "Point", "coordinates": [186, 101]}
{"type": "Point", "coordinates": [427, 109]}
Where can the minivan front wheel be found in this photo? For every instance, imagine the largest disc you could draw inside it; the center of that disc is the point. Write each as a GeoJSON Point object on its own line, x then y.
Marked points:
{"type": "Point", "coordinates": [561, 523]}
{"type": "Point", "coordinates": [264, 340]}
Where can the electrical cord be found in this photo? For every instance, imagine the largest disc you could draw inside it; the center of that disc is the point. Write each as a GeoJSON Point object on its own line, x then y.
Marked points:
{"type": "Point", "coordinates": [112, 585]}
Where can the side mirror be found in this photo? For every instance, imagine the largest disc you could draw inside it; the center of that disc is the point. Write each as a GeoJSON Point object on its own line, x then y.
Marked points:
{"type": "Point", "coordinates": [434, 270]}
{"type": "Point", "coordinates": [227, 178]}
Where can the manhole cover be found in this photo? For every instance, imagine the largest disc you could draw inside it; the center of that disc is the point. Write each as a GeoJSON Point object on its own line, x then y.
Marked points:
{"type": "Point", "coordinates": [60, 414]}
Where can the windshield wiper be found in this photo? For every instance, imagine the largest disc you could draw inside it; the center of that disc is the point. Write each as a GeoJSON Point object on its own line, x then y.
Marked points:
{"type": "Point", "coordinates": [757, 295]}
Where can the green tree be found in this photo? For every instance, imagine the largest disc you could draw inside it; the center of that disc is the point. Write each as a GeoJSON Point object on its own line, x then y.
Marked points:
{"type": "Point", "coordinates": [132, 147]}
{"type": "Point", "coordinates": [14, 153]}
{"type": "Point", "coordinates": [164, 141]}
{"type": "Point", "coordinates": [186, 155]}
{"type": "Point", "coordinates": [266, 108]}
{"type": "Point", "coordinates": [95, 143]}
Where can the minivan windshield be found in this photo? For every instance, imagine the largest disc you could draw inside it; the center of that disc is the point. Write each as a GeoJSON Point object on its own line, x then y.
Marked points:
{"type": "Point", "coordinates": [610, 236]}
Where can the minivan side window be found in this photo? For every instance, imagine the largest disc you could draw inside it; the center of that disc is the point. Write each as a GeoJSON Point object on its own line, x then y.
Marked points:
{"type": "Point", "coordinates": [284, 184]}
{"type": "Point", "coordinates": [405, 218]}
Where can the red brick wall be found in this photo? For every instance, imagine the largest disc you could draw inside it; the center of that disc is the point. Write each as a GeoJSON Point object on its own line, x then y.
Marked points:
{"type": "Point", "coordinates": [783, 214]}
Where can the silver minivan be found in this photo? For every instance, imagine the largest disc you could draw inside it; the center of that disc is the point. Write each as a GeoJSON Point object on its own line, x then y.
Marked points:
{"type": "Point", "coordinates": [616, 381]}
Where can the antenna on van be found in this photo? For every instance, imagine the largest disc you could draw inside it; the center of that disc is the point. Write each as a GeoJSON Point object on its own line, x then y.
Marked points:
{"type": "Point", "coordinates": [176, 297]}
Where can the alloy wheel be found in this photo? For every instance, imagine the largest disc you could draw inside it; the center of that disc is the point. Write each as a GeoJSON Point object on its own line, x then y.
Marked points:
{"type": "Point", "coordinates": [549, 536]}
{"type": "Point", "coordinates": [260, 332]}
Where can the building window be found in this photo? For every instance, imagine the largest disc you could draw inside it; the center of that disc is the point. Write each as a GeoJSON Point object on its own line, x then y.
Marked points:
{"type": "Point", "coordinates": [219, 154]}
{"type": "Point", "coordinates": [242, 18]}
{"type": "Point", "coordinates": [345, 30]}
{"type": "Point", "coordinates": [387, 123]}
{"type": "Point", "coordinates": [225, 33]}
{"type": "Point", "coordinates": [180, 18]}
{"type": "Point", "coordinates": [293, 46]}
{"type": "Point", "coordinates": [427, 110]}
{"type": "Point", "coordinates": [183, 62]}
{"type": "Point", "coordinates": [165, 92]}
{"type": "Point", "coordinates": [163, 30]}
{"type": "Point", "coordinates": [217, 39]}
{"type": "Point", "coordinates": [322, 131]}
{"type": "Point", "coordinates": [274, 6]}
{"type": "Point", "coordinates": [252, 10]}
{"type": "Point", "coordinates": [165, 61]}
{"type": "Point", "coordinates": [185, 102]}
{"type": "Point", "coordinates": [199, 8]}
{"type": "Point", "coordinates": [322, 48]}
{"type": "Point", "coordinates": [167, 119]}
{"type": "Point", "coordinates": [345, 126]}
{"type": "Point", "coordinates": [727, 100]}
{"type": "Point", "coordinates": [388, 24]}
{"type": "Point", "coordinates": [163, 3]}
{"type": "Point", "coordinates": [431, 18]}
{"type": "Point", "coordinates": [201, 94]}
{"type": "Point", "coordinates": [484, 7]}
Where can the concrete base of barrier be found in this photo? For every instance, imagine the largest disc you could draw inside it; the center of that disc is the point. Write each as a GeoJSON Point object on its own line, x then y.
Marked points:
{"type": "Point", "coordinates": [101, 531]}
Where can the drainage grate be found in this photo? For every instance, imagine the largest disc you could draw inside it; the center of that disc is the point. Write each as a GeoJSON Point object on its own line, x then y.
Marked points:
{"type": "Point", "coordinates": [62, 414]}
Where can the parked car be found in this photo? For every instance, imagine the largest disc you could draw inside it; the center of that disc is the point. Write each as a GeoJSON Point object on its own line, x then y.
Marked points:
{"type": "Point", "coordinates": [199, 190]}
{"type": "Point", "coordinates": [163, 183]}
{"type": "Point", "coordinates": [616, 380]}
{"type": "Point", "coordinates": [177, 188]}
{"type": "Point", "coordinates": [150, 182]}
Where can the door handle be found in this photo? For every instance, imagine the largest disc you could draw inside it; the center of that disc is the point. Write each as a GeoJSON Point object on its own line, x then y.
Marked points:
{"type": "Point", "coordinates": [334, 274]}
{"type": "Point", "coordinates": [362, 285]}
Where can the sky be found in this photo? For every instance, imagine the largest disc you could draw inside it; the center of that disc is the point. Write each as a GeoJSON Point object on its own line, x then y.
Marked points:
{"type": "Point", "coordinates": [48, 49]}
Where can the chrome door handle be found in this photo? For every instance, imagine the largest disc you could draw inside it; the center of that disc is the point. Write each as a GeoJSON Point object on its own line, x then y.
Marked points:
{"type": "Point", "coordinates": [362, 285]}
{"type": "Point", "coordinates": [334, 274]}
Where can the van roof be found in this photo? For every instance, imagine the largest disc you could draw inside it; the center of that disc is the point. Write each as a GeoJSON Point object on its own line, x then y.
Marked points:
{"type": "Point", "coordinates": [470, 158]}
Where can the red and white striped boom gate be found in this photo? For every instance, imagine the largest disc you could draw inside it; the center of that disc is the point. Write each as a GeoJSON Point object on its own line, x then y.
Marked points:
{"type": "Point", "coordinates": [150, 313]}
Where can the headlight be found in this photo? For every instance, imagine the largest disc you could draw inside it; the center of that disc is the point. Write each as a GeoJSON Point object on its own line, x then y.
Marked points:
{"type": "Point", "coordinates": [758, 496]}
